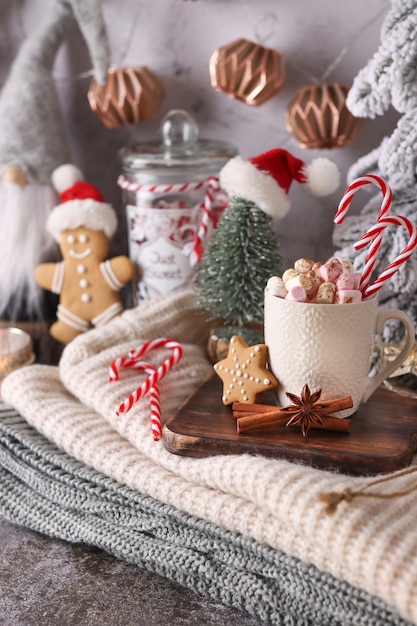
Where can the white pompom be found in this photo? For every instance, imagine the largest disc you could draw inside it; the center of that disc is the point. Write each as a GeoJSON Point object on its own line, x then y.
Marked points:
{"type": "Point", "coordinates": [65, 176]}
{"type": "Point", "coordinates": [241, 178]}
{"type": "Point", "coordinates": [323, 177]}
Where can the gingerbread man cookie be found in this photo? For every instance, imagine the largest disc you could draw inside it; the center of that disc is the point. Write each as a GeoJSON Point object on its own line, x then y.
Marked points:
{"type": "Point", "coordinates": [244, 372]}
{"type": "Point", "coordinates": [87, 284]}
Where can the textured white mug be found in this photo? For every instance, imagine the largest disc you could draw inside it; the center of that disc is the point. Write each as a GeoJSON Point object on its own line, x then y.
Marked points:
{"type": "Point", "coordinates": [329, 347]}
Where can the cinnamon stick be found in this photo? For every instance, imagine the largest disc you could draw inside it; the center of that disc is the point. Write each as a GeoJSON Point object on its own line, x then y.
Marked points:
{"type": "Point", "coordinates": [324, 408]}
{"type": "Point", "coordinates": [260, 421]}
{"type": "Point", "coordinates": [257, 421]}
{"type": "Point", "coordinates": [253, 408]}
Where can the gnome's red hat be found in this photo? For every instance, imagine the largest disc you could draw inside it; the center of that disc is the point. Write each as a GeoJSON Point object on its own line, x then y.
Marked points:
{"type": "Point", "coordinates": [266, 179]}
{"type": "Point", "coordinates": [81, 205]}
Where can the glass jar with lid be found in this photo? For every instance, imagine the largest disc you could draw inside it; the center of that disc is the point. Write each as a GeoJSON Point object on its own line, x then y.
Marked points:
{"type": "Point", "coordinates": [172, 199]}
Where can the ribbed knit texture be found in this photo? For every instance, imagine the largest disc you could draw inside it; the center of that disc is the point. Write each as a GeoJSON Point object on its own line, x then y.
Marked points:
{"type": "Point", "coordinates": [50, 492]}
{"type": "Point", "coordinates": [370, 543]}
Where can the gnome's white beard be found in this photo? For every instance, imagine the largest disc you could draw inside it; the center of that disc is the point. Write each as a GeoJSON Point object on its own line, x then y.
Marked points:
{"type": "Point", "coordinates": [24, 242]}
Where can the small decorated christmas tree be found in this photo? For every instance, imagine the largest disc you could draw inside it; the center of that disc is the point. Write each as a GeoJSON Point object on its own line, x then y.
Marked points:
{"type": "Point", "coordinates": [244, 250]}
{"type": "Point", "coordinates": [242, 256]}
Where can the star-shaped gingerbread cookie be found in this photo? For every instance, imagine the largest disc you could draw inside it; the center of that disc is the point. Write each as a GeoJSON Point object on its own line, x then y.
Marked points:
{"type": "Point", "coordinates": [244, 372]}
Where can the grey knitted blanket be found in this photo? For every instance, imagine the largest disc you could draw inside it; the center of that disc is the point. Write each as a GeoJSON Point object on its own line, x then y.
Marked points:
{"type": "Point", "coordinates": [47, 490]}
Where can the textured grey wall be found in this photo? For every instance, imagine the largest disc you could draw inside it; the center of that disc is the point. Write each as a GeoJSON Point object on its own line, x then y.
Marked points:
{"type": "Point", "coordinates": [175, 39]}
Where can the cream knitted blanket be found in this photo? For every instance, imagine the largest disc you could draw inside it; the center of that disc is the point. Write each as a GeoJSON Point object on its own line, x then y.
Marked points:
{"type": "Point", "coordinates": [49, 491]}
{"type": "Point", "coordinates": [370, 543]}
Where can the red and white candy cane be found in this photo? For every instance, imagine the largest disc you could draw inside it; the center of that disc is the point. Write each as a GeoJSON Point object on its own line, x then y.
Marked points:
{"type": "Point", "coordinates": [212, 193]}
{"type": "Point", "coordinates": [375, 232]}
{"type": "Point", "coordinates": [154, 344]}
{"type": "Point", "coordinates": [355, 186]}
{"type": "Point", "coordinates": [155, 375]}
{"type": "Point", "coordinates": [385, 209]}
{"type": "Point", "coordinates": [156, 422]}
{"type": "Point", "coordinates": [127, 362]}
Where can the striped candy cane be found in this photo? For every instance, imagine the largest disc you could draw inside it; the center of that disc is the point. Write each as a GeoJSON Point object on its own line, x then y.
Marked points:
{"type": "Point", "coordinates": [213, 195]}
{"type": "Point", "coordinates": [370, 260]}
{"type": "Point", "coordinates": [117, 365]}
{"type": "Point", "coordinates": [156, 423]}
{"type": "Point", "coordinates": [132, 360]}
{"type": "Point", "coordinates": [355, 186]}
{"type": "Point", "coordinates": [154, 344]}
{"type": "Point", "coordinates": [377, 238]}
{"type": "Point", "coordinates": [376, 232]}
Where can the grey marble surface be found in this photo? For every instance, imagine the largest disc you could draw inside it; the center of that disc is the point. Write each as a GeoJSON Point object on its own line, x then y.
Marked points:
{"type": "Point", "coordinates": [48, 582]}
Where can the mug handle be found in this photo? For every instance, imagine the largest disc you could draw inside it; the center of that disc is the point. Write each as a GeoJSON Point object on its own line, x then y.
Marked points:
{"type": "Point", "coordinates": [382, 316]}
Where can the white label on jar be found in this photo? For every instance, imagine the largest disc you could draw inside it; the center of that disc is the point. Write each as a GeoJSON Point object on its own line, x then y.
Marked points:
{"type": "Point", "coordinates": [156, 238]}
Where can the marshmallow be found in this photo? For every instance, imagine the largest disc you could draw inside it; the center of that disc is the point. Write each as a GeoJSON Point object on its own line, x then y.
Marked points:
{"type": "Point", "coordinates": [297, 294]}
{"type": "Point", "coordinates": [331, 270]}
{"type": "Point", "coordinates": [276, 287]}
{"type": "Point", "coordinates": [316, 267]}
{"type": "Point", "coordinates": [303, 265]}
{"type": "Point", "coordinates": [348, 296]}
{"type": "Point", "coordinates": [347, 265]}
{"type": "Point", "coordinates": [346, 280]}
{"type": "Point", "coordinates": [289, 273]}
{"type": "Point", "coordinates": [333, 282]}
{"type": "Point", "coordinates": [325, 293]}
{"type": "Point", "coordinates": [301, 280]}
{"type": "Point", "coordinates": [315, 282]}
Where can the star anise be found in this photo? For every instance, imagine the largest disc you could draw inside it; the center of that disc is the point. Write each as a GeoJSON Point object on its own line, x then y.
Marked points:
{"type": "Point", "coordinates": [304, 409]}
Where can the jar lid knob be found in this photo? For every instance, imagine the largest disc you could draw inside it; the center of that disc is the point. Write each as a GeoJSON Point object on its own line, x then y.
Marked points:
{"type": "Point", "coordinates": [178, 128]}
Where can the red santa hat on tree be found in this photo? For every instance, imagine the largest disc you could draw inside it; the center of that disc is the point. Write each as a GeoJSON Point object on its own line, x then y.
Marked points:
{"type": "Point", "coordinates": [81, 205]}
{"type": "Point", "coordinates": [265, 179]}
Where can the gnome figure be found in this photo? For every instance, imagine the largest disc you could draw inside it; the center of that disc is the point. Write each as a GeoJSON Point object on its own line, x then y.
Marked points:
{"type": "Point", "coordinates": [87, 284]}
{"type": "Point", "coordinates": [32, 144]}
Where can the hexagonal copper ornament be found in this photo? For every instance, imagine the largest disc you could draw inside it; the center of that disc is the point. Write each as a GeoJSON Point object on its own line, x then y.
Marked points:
{"type": "Point", "coordinates": [130, 95]}
{"type": "Point", "coordinates": [247, 71]}
{"type": "Point", "coordinates": [318, 117]}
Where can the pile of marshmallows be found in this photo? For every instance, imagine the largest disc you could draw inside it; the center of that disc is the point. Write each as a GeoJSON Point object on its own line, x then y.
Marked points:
{"type": "Point", "coordinates": [333, 282]}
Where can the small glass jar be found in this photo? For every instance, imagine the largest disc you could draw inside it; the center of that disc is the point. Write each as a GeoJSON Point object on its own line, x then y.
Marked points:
{"type": "Point", "coordinates": [172, 198]}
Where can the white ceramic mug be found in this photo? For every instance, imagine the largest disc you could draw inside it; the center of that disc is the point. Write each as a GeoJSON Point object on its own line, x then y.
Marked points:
{"type": "Point", "coordinates": [329, 347]}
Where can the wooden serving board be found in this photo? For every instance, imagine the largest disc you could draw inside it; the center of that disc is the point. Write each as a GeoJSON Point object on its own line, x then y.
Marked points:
{"type": "Point", "coordinates": [382, 437]}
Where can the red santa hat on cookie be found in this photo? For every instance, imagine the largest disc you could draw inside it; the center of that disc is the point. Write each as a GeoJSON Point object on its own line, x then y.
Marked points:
{"type": "Point", "coordinates": [81, 205]}
{"type": "Point", "coordinates": [265, 179]}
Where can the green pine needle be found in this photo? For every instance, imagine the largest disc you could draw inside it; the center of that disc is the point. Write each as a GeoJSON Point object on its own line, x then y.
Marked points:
{"type": "Point", "coordinates": [242, 255]}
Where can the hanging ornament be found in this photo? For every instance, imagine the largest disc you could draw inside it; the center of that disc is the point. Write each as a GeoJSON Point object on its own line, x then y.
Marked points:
{"type": "Point", "coordinates": [247, 71]}
{"type": "Point", "coordinates": [318, 117]}
{"type": "Point", "coordinates": [130, 95]}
